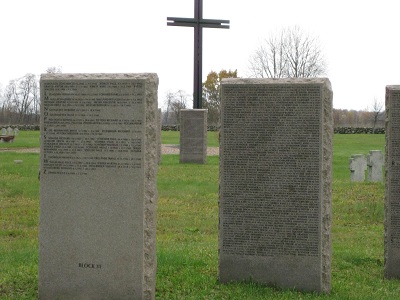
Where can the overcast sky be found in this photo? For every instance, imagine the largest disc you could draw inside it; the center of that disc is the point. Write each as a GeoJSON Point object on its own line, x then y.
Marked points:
{"type": "Point", "coordinates": [360, 40]}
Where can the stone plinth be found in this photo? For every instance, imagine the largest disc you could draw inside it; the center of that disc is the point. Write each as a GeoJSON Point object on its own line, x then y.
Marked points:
{"type": "Point", "coordinates": [193, 136]}
{"type": "Point", "coordinates": [98, 186]}
{"type": "Point", "coordinates": [276, 182]}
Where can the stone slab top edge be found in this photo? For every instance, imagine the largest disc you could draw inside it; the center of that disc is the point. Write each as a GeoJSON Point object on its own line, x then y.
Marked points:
{"type": "Point", "coordinates": [95, 76]}
{"type": "Point", "coordinates": [393, 87]}
{"type": "Point", "coordinates": [277, 81]}
{"type": "Point", "coordinates": [192, 109]}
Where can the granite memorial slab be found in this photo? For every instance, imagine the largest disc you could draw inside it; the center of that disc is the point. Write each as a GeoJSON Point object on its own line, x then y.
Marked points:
{"type": "Point", "coordinates": [392, 183]}
{"type": "Point", "coordinates": [276, 182]}
{"type": "Point", "coordinates": [98, 186]}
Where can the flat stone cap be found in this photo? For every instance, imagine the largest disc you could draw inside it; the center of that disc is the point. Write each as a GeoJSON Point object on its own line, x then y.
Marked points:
{"type": "Point", "coordinates": [277, 81]}
{"type": "Point", "coordinates": [94, 76]}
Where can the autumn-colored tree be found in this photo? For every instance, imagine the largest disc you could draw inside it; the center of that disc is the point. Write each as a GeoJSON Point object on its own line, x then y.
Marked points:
{"type": "Point", "coordinates": [211, 94]}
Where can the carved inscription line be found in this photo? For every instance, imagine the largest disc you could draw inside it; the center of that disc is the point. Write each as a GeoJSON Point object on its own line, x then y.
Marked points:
{"type": "Point", "coordinates": [77, 122]}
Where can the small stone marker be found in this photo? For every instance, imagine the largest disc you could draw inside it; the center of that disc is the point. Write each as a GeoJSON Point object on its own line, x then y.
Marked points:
{"type": "Point", "coordinates": [193, 136]}
{"type": "Point", "coordinates": [10, 131]}
{"type": "Point", "coordinates": [276, 182]}
{"type": "Point", "coordinates": [358, 166]}
{"type": "Point", "coordinates": [16, 131]}
{"type": "Point", "coordinates": [375, 164]}
{"type": "Point", "coordinates": [98, 186]}
{"type": "Point", "coordinates": [3, 131]}
{"type": "Point", "coordinates": [392, 184]}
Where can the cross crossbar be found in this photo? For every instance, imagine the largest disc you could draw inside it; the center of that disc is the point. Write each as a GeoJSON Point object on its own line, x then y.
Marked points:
{"type": "Point", "coordinates": [198, 23]}
{"type": "Point", "coordinates": [191, 22]}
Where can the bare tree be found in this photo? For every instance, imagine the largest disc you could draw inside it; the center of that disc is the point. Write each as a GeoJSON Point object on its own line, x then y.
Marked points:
{"type": "Point", "coordinates": [376, 110]}
{"type": "Point", "coordinates": [22, 97]}
{"type": "Point", "coordinates": [175, 102]}
{"type": "Point", "coordinates": [290, 53]}
{"type": "Point", "coordinates": [53, 70]}
{"type": "Point", "coordinates": [168, 99]}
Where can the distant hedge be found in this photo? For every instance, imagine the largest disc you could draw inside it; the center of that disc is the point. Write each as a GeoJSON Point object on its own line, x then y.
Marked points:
{"type": "Point", "coordinates": [358, 130]}
{"type": "Point", "coordinates": [22, 127]}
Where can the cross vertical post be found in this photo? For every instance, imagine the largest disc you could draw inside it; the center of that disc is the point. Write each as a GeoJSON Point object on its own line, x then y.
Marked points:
{"type": "Point", "coordinates": [197, 23]}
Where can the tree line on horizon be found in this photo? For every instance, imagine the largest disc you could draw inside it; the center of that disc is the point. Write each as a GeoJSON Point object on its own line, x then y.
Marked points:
{"type": "Point", "coordinates": [288, 53]}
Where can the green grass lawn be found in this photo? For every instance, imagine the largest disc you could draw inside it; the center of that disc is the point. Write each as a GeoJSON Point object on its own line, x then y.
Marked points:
{"type": "Point", "coordinates": [172, 137]}
{"type": "Point", "coordinates": [25, 139]}
{"type": "Point", "coordinates": [187, 229]}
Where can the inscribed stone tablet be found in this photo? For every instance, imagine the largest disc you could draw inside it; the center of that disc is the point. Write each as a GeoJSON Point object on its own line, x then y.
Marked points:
{"type": "Point", "coordinates": [392, 172]}
{"type": "Point", "coordinates": [275, 182]}
{"type": "Point", "coordinates": [98, 186]}
{"type": "Point", "coordinates": [193, 136]}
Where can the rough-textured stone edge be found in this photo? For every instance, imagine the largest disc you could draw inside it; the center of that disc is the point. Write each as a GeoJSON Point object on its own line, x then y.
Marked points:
{"type": "Point", "coordinates": [159, 142]}
{"type": "Point", "coordinates": [387, 181]}
{"type": "Point", "coordinates": [326, 209]}
{"type": "Point", "coordinates": [151, 194]}
{"type": "Point", "coordinates": [96, 76]}
{"type": "Point", "coordinates": [277, 81]}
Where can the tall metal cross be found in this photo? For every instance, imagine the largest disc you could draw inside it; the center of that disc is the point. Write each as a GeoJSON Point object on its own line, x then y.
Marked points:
{"type": "Point", "coordinates": [198, 23]}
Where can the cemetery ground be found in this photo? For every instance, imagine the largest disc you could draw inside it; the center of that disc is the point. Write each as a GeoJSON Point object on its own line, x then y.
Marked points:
{"type": "Point", "coordinates": [187, 228]}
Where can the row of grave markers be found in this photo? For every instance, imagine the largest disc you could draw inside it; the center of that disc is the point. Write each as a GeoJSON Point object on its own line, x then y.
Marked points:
{"type": "Point", "coordinates": [99, 160]}
{"type": "Point", "coordinates": [9, 131]}
{"type": "Point", "coordinates": [358, 164]}
{"type": "Point", "coordinates": [8, 134]}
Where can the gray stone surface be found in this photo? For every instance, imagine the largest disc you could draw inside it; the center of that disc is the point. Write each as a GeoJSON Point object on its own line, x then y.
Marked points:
{"type": "Point", "coordinates": [98, 186]}
{"type": "Point", "coordinates": [392, 184]}
{"type": "Point", "coordinates": [10, 131]}
{"type": "Point", "coordinates": [357, 166]}
{"type": "Point", "coordinates": [375, 164]}
{"type": "Point", "coordinates": [159, 142]}
{"type": "Point", "coordinates": [3, 131]}
{"type": "Point", "coordinates": [193, 136]}
{"type": "Point", "coordinates": [276, 182]}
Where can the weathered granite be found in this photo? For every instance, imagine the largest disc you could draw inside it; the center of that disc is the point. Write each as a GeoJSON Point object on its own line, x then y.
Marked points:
{"type": "Point", "coordinates": [392, 184]}
{"type": "Point", "coordinates": [276, 182]}
{"type": "Point", "coordinates": [357, 166]}
{"type": "Point", "coordinates": [375, 163]}
{"type": "Point", "coordinates": [193, 136]}
{"type": "Point", "coordinates": [98, 186]}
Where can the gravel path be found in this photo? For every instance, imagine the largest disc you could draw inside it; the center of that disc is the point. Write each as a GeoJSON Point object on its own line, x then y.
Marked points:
{"type": "Point", "coordinates": [165, 149]}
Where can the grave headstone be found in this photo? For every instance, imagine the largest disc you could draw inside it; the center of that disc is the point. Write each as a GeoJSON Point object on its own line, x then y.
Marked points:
{"type": "Point", "coordinates": [357, 166]}
{"type": "Point", "coordinates": [193, 136]}
{"type": "Point", "coordinates": [275, 182]}
{"type": "Point", "coordinates": [98, 186]}
{"type": "Point", "coordinates": [392, 177]}
{"type": "Point", "coordinates": [10, 131]}
{"type": "Point", "coordinates": [375, 164]}
{"type": "Point", "coordinates": [16, 131]}
{"type": "Point", "coordinates": [3, 131]}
